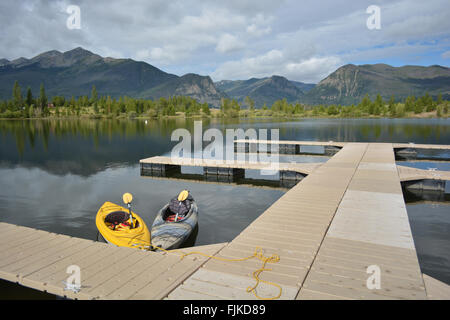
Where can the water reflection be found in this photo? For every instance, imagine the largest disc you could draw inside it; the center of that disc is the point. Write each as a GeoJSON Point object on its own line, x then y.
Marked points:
{"type": "Point", "coordinates": [84, 147]}
{"type": "Point", "coordinates": [68, 204]}
{"type": "Point", "coordinates": [430, 226]}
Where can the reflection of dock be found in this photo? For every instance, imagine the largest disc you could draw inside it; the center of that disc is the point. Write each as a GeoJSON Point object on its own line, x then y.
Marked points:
{"type": "Point", "coordinates": [338, 231]}
{"type": "Point", "coordinates": [219, 180]}
{"type": "Point", "coordinates": [235, 168]}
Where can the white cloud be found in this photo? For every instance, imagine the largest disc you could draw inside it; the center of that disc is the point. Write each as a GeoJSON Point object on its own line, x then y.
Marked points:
{"type": "Point", "coordinates": [275, 62]}
{"type": "Point", "coordinates": [260, 25]}
{"type": "Point", "coordinates": [313, 69]}
{"type": "Point", "coordinates": [254, 30]}
{"type": "Point", "coordinates": [228, 43]}
{"type": "Point", "coordinates": [446, 55]}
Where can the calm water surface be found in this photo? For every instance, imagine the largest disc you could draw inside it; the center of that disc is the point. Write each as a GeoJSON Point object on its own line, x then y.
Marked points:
{"type": "Point", "coordinates": [54, 175]}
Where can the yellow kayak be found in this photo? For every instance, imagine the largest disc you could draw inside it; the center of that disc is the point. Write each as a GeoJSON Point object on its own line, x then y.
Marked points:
{"type": "Point", "coordinates": [114, 224]}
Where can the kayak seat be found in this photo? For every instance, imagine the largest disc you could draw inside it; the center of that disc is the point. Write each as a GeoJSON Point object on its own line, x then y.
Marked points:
{"type": "Point", "coordinates": [171, 218]}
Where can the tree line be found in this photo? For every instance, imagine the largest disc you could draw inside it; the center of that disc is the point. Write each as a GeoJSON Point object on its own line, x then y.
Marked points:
{"type": "Point", "coordinates": [366, 107]}
{"type": "Point", "coordinates": [28, 106]}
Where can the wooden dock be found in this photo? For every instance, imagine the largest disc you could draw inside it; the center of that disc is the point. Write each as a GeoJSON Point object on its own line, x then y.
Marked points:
{"type": "Point", "coordinates": [39, 259]}
{"type": "Point", "coordinates": [333, 231]}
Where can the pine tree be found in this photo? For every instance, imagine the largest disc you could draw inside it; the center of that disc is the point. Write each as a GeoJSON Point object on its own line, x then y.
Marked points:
{"type": "Point", "coordinates": [43, 102]}
{"type": "Point", "coordinates": [410, 103]}
{"type": "Point", "coordinates": [391, 106]}
{"type": "Point", "coordinates": [205, 109]}
{"type": "Point", "coordinates": [379, 103]}
{"type": "Point", "coordinates": [439, 111]}
{"type": "Point", "coordinates": [439, 99]}
{"type": "Point", "coordinates": [29, 100]}
{"type": "Point", "coordinates": [17, 96]}
{"type": "Point", "coordinates": [94, 95]}
{"type": "Point", "coordinates": [428, 102]}
{"type": "Point", "coordinates": [365, 103]}
{"type": "Point", "coordinates": [94, 99]}
{"type": "Point", "coordinates": [250, 103]}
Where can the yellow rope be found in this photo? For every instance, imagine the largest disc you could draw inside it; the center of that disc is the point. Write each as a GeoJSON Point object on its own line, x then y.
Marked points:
{"type": "Point", "coordinates": [257, 254]}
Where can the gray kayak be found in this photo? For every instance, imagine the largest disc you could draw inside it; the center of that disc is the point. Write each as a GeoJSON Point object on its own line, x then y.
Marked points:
{"type": "Point", "coordinates": [170, 234]}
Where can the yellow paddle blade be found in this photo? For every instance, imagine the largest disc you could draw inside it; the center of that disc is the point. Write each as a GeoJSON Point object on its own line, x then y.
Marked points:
{"type": "Point", "coordinates": [183, 195]}
{"type": "Point", "coordinates": [127, 198]}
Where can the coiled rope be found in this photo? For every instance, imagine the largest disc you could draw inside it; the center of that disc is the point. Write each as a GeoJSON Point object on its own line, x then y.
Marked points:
{"type": "Point", "coordinates": [257, 254]}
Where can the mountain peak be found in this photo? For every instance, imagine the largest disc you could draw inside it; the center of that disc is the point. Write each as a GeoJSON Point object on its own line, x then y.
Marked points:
{"type": "Point", "coordinates": [79, 50]}
{"type": "Point", "coordinates": [350, 83]}
{"type": "Point", "coordinates": [19, 62]}
{"type": "Point", "coordinates": [4, 62]}
{"type": "Point", "coordinates": [264, 90]}
{"type": "Point", "coordinates": [48, 54]}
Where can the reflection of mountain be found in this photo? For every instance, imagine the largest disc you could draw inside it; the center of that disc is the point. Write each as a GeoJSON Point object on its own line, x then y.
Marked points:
{"type": "Point", "coordinates": [82, 147]}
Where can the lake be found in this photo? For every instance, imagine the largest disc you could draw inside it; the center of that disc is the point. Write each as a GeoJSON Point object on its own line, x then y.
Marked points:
{"type": "Point", "coordinates": [55, 175]}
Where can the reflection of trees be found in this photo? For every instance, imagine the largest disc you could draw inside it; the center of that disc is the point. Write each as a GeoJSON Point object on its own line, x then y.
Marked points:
{"type": "Point", "coordinates": [84, 146]}
{"type": "Point", "coordinates": [91, 129]}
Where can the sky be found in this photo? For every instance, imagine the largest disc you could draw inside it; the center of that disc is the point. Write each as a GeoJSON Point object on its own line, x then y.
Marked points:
{"type": "Point", "coordinates": [234, 39]}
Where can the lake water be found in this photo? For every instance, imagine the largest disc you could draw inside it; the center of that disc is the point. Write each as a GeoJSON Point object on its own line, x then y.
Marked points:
{"type": "Point", "coordinates": [54, 175]}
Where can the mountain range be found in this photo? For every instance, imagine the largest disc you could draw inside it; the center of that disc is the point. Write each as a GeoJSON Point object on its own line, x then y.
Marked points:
{"type": "Point", "coordinates": [350, 83]}
{"type": "Point", "coordinates": [265, 90]}
{"type": "Point", "coordinates": [74, 73]}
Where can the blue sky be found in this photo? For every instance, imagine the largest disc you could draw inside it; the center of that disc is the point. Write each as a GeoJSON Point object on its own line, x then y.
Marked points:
{"type": "Point", "coordinates": [234, 39]}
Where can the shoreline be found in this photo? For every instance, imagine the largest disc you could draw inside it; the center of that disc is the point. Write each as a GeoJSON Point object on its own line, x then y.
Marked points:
{"type": "Point", "coordinates": [427, 115]}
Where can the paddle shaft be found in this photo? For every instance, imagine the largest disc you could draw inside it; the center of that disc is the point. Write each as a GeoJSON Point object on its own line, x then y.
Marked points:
{"type": "Point", "coordinates": [131, 215]}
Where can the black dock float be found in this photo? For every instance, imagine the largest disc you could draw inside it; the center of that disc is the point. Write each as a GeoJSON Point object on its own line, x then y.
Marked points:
{"type": "Point", "coordinates": [159, 169]}
{"type": "Point", "coordinates": [231, 172]}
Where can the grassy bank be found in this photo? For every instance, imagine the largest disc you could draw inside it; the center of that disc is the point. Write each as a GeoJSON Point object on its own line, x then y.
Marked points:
{"type": "Point", "coordinates": [89, 113]}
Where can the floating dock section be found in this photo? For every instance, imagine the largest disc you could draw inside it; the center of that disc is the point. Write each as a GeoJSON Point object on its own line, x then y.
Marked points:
{"type": "Point", "coordinates": [161, 166]}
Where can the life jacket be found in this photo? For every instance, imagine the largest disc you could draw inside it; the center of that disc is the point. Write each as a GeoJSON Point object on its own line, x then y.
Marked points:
{"type": "Point", "coordinates": [180, 207]}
